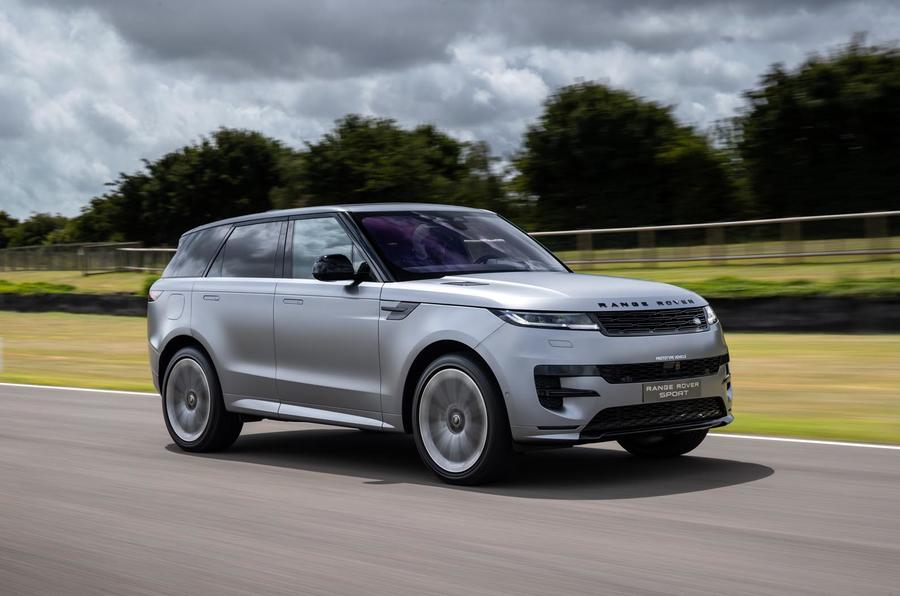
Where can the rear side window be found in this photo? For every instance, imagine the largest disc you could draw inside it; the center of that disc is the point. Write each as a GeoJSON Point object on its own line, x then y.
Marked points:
{"type": "Point", "coordinates": [194, 252]}
{"type": "Point", "coordinates": [249, 252]}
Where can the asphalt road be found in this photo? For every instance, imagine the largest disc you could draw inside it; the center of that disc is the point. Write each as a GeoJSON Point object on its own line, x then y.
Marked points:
{"type": "Point", "coordinates": [94, 499]}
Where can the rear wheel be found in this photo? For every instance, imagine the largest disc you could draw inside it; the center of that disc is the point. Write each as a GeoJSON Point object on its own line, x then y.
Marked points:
{"type": "Point", "coordinates": [193, 408]}
{"type": "Point", "coordinates": [459, 422]}
{"type": "Point", "coordinates": [663, 445]}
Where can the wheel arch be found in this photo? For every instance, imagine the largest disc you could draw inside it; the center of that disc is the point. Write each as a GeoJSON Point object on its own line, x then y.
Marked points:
{"type": "Point", "coordinates": [171, 348]}
{"type": "Point", "coordinates": [426, 356]}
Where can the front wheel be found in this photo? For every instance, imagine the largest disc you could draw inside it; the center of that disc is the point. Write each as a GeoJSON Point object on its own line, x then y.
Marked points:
{"type": "Point", "coordinates": [459, 421]}
{"type": "Point", "coordinates": [193, 408]}
{"type": "Point", "coordinates": [663, 445]}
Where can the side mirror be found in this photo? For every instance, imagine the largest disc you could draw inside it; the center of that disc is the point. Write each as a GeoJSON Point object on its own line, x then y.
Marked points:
{"type": "Point", "coordinates": [333, 268]}
{"type": "Point", "coordinates": [363, 273]}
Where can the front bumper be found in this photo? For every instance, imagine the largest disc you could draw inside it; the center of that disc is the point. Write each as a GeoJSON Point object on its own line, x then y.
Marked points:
{"type": "Point", "coordinates": [514, 353]}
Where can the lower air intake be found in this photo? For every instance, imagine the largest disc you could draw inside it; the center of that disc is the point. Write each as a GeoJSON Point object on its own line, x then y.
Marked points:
{"type": "Point", "coordinates": [657, 415]}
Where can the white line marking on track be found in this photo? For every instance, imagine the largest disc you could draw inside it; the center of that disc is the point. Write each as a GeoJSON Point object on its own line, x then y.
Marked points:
{"type": "Point", "coordinates": [806, 441]}
{"type": "Point", "coordinates": [723, 435]}
{"type": "Point", "coordinates": [89, 390]}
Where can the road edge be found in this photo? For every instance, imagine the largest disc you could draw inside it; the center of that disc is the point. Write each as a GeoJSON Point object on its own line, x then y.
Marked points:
{"type": "Point", "coordinates": [713, 434]}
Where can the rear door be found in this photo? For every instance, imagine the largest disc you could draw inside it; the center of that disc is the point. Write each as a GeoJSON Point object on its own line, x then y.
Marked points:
{"type": "Point", "coordinates": [233, 313]}
{"type": "Point", "coordinates": [326, 333]}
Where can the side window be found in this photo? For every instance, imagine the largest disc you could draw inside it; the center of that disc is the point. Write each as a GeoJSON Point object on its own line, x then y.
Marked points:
{"type": "Point", "coordinates": [194, 252]}
{"type": "Point", "coordinates": [249, 252]}
{"type": "Point", "coordinates": [316, 237]}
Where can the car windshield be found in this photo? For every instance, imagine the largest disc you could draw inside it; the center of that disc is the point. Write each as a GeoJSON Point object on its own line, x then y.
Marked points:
{"type": "Point", "coordinates": [423, 244]}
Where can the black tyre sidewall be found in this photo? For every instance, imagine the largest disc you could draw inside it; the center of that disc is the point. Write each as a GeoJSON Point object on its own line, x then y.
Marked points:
{"type": "Point", "coordinates": [498, 444]}
{"type": "Point", "coordinates": [223, 426]}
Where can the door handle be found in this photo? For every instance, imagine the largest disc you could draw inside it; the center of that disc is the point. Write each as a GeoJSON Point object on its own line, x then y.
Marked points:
{"type": "Point", "coordinates": [296, 301]}
{"type": "Point", "coordinates": [211, 297]}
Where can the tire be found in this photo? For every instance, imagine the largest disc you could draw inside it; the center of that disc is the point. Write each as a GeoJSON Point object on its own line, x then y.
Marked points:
{"type": "Point", "coordinates": [459, 421]}
{"type": "Point", "coordinates": [663, 445]}
{"type": "Point", "coordinates": [192, 404]}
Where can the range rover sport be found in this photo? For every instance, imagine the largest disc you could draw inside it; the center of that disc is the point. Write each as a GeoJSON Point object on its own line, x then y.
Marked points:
{"type": "Point", "coordinates": [445, 322]}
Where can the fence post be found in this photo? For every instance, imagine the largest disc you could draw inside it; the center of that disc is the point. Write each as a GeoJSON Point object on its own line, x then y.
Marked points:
{"type": "Point", "coordinates": [585, 244]}
{"type": "Point", "coordinates": [876, 232]}
{"type": "Point", "coordinates": [791, 234]}
{"type": "Point", "coordinates": [647, 243]}
{"type": "Point", "coordinates": [715, 236]}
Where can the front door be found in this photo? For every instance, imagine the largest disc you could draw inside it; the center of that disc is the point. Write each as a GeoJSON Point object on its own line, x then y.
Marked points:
{"type": "Point", "coordinates": [326, 333]}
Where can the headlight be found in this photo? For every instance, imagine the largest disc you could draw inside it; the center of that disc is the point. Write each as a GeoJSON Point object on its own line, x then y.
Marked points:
{"type": "Point", "coordinates": [548, 320]}
{"type": "Point", "coordinates": [711, 317]}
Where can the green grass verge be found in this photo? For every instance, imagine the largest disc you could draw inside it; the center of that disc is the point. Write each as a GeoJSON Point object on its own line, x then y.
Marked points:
{"type": "Point", "coordinates": [98, 351]}
{"type": "Point", "coordinates": [802, 385]}
{"type": "Point", "coordinates": [817, 270]}
{"type": "Point", "coordinates": [34, 287]}
{"type": "Point", "coordinates": [736, 287]}
{"type": "Point", "coordinates": [827, 386]}
{"type": "Point", "coordinates": [736, 249]}
{"type": "Point", "coordinates": [747, 280]}
{"type": "Point", "coordinates": [54, 282]}
{"type": "Point", "coordinates": [812, 277]}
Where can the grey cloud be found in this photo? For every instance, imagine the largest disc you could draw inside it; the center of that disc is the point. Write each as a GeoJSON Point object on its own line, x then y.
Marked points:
{"type": "Point", "coordinates": [15, 116]}
{"type": "Point", "coordinates": [89, 87]}
{"type": "Point", "coordinates": [284, 37]}
{"type": "Point", "coordinates": [108, 121]}
{"type": "Point", "coordinates": [339, 38]}
{"type": "Point", "coordinates": [324, 99]}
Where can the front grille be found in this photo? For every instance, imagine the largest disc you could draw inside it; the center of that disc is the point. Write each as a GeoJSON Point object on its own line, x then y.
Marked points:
{"type": "Point", "coordinates": [653, 322]}
{"type": "Point", "coordinates": [645, 372]}
{"type": "Point", "coordinates": [657, 415]}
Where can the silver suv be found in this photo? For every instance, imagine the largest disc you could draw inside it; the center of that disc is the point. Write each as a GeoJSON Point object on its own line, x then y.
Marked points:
{"type": "Point", "coordinates": [445, 322]}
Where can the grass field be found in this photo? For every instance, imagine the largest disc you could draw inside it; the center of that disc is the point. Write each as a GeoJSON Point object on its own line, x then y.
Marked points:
{"type": "Point", "coordinates": [97, 351]}
{"type": "Point", "coordinates": [823, 270]}
{"type": "Point", "coordinates": [72, 281]}
{"type": "Point", "coordinates": [734, 249]}
{"type": "Point", "coordinates": [823, 386]}
{"type": "Point", "coordinates": [824, 277]}
{"type": "Point", "coordinates": [736, 279]}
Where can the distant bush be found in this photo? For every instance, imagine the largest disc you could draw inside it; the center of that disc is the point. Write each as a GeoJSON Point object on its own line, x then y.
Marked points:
{"type": "Point", "coordinates": [34, 287]}
{"type": "Point", "coordinates": [148, 281]}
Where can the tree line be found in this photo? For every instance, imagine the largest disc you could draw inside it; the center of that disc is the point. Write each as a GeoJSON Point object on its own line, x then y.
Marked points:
{"type": "Point", "coordinates": [820, 138]}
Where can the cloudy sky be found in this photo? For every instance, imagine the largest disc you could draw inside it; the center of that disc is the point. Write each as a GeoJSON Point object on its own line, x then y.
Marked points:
{"type": "Point", "coordinates": [90, 87]}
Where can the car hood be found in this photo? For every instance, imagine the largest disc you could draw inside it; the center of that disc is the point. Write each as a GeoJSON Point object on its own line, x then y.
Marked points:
{"type": "Point", "coordinates": [546, 291]}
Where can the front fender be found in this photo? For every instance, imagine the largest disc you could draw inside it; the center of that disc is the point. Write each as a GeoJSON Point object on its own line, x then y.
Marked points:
{"type": "Point", "coordinates": [401, 341]}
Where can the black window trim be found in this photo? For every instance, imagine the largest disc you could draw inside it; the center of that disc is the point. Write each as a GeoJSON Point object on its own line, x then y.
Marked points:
{"type": "Point", "coordinates": [538, 242]}
{"type": "Point", "coordinates": [192, 236]}
{"type": "Point", "coordinates": [279, 247]}
{"type": "Point", "coordinates": [218, 250]}
{"type": "Point", "coordinates": [287, 251]}
{"type": "Point", "coordinates": [285, 244]}
{"type": "Point", "coordinates": [215, 253]}
{"type": "Point", "coordinates": [349, 226]}
{"type": "Point", "coordinates": [353, 218]}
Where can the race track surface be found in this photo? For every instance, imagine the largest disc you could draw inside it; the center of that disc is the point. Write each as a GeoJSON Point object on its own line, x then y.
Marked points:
{"type": "Point", "coordinates": [95, 499]}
